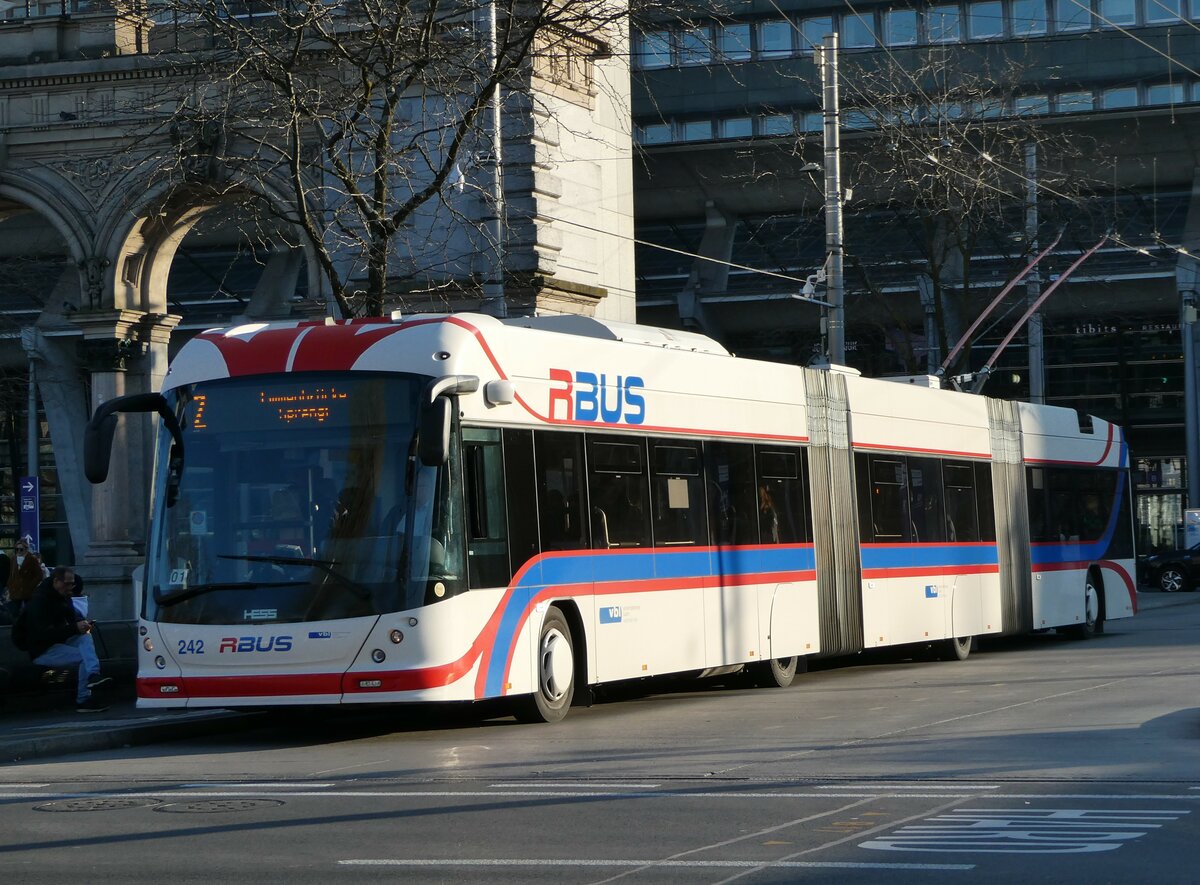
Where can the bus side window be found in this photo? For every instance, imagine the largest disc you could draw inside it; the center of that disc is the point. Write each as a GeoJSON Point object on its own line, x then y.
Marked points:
{"type": "Point", "coordinates": [618, 489]}
{"type": "Point", "coordinates": [781, 512]}
{"type": "Point", "coordinates": [925, 499]}
{"type": "Point", "coordinates": [962, 524]}
{"type": "Point", "coordinates": [520, 487]}
{"type": "Point", "coordinates": [732, 495]}
{"type": "Point", "coordinates": [889, 500]}
{"type": "Point", "coordinates": [487, 525]}
{"type": "Point", "coordinates": [862, 485]}
{"type": "Point", "coordinates": [561, 495]}
{"type": "Point", "coordinates": [677, 494]}
{"type": "Point", "coordinates": [983, 501]}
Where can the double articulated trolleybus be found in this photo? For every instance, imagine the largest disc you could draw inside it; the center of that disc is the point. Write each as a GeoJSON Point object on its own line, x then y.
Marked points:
{"type": "Point", "coordinates": [442, 508]}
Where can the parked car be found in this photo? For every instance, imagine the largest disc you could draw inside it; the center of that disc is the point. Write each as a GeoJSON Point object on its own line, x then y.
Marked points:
{"type": "Point", "coordinates": [1173, 571]}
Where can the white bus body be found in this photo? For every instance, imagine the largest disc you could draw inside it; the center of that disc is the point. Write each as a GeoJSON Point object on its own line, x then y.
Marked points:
{"type": "Point", "coordinates": [592, 520]}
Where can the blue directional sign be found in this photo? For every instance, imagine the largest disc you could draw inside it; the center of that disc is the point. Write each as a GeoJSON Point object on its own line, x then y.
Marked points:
{"type": "Point", "coordinates": [29, 526]}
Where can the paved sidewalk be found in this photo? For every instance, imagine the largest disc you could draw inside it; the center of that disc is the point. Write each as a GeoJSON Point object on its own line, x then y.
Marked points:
{"type": "Point", "coordinates": [58, 730]}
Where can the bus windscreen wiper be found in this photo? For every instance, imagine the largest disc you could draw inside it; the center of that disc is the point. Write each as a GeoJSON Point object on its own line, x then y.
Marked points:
{"type": "Point", "coordinates": [199, 590]}
{"type": "Point", "coordinates": [321, 565]}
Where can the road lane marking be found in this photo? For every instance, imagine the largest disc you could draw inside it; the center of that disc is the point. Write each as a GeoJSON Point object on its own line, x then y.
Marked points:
{"type": "Point", "coordinates": [233, 785]}
{"type": "Point", "coordinates": [910, 786]}
{"type": "Point", "coordinates": [174, 793]}
{"type": "Point", "coordinates": [1026, 830]}
{"type": "Point", "coordinates": [653, 864]}
{"type": "Point", "coordinates": [579, 785]}
{"type": "Point", "coordinates": [725, 843]}
{"type": "Point", "coordinates": [22, 786]}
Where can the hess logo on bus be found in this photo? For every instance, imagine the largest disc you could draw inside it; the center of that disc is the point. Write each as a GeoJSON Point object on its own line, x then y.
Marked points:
{"type": "Point", "coordinates": [586, 396]}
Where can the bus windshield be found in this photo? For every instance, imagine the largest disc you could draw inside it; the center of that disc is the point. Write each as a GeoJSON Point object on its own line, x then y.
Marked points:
{"type": "Point", "coordinates": [301, 499]}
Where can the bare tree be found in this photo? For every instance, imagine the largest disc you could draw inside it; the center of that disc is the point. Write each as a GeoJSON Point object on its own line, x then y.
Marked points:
{"type": "Point", "coordinates": [355, 123]}
{"type": "Point", "coordinates": [942, 155]}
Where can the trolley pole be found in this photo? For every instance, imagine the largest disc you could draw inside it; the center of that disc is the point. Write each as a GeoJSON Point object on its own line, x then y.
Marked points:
{"type": "Point", "coordinates": [1033, 284]}
{"type": "Point", "coordinates": [835, 314]}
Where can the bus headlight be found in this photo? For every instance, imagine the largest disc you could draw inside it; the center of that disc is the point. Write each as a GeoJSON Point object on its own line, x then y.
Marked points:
{"type": "Point", "coordinates": [378, 656]}
{"type": "Point", "coordinates": [396, 636]}
{"type": "Point", "coordinates": [148, 644]}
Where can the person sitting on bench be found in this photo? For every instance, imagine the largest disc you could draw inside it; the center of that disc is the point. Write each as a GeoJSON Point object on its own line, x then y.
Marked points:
{"type": "Point", "coordinates": [58, 637]}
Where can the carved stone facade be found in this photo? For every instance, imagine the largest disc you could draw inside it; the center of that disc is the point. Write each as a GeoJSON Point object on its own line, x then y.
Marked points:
{"type": "Point", "coordinates": [103, 319]}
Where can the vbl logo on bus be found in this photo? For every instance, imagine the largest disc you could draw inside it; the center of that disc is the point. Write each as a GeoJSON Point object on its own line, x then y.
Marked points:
{"type": "Point", "coordinates": [587, 396]}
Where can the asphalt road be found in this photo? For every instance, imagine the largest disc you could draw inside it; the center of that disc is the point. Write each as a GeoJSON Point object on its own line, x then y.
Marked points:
{"type": "Point", "coordinates": [1042, 759]}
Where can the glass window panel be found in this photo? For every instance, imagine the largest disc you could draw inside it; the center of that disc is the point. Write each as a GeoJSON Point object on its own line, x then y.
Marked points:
{"type": "Point", "coordinates": [814, 30]}
{"type": "Point", "coordinates": [654, 133]}
{"type": "Point", "coordinates": [1028, 17]}
{"type": "Point", "coordinates": [781, 504]}
{"type": "Point", "coordinates": [695, 46]}
{"type": "Point", "coordinates": [696, 130]}
{"type": "Point", "coordinates": [985, 20]}
{"type": "Point", "coordinates": [1071, 102]}
{"type": "Point", "coordinates": [1121, 97]}
{"type": "Point", "coordinates": [1164, 93]}
{"type": "Point", "coordinates": [618, 494]}
{"type": "Point", "coordinates": [653, 49]}
{"type": "Point", "coordinates": [1118, 12]}
{"type": "Point", "coordinates": [732, 497]}
{"type": "Point", "coordinates": [677, 496]}
{"type": "Point", "coordinates": [562, 498]}
{"type": "Point", "coordinates": [855, 119]}
{"type": "Point", "coordinates": [1070, 15]}
{"type": "Point", "coordinates": [900, 27]}
{"type": "Point", "coordinates": [814, 121]}
{"type": "Point", "coordinates": [889, 500]}
{"type": "Point", "coordinates": [734, 41]}
{"type": "Point", "coordinates": [858, 31]}
{"type": "Point", "coordinates": [1165, 10]}
{"type": "Point", "coordinates": [776, 124]}
{"type": "Point", "coordinates": [737, 127]}
{"type": "Point", "coordinates": [943, 24]}
{"type": "Point", "coordinates": [1031, 104]}
{"type": "Point", "coordinates": [774, 38]}
{"type": "Point", "coordinates": [925, 497]}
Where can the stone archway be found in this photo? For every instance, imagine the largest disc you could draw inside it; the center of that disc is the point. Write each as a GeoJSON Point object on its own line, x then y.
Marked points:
{"type": "Point", "coordinates": [43, 239]}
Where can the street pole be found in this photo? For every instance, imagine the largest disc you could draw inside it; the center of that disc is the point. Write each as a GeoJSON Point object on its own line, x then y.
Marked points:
{"type": "Point", "coordinates": [494, 302]}
{"type": "Point", "coordinates": [1191, 415]}
{"type": "Point", "coordinates": [835, 313]}
{"type": "Point", "coordinates": [1033, 284]}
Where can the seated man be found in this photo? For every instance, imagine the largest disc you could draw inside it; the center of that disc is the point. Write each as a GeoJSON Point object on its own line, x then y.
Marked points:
{"type": "Point", "coordinates": [59, 638]}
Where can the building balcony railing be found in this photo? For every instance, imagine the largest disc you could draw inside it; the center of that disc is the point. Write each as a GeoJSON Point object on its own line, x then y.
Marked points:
{"type": "Point", "coordinates": [41, 31]}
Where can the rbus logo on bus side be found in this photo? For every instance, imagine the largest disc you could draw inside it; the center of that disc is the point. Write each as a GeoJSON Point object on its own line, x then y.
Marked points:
{"type": "Point", "coordinates": [586, 396]}
{"type": "Point", "coordinates": [255, 643]}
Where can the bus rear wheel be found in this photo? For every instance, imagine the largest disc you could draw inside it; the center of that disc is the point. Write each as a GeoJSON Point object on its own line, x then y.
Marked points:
{"type": "Point", "coordinates": [775, 673]}
{"type": "Point", "coordinates": [956, 649]}
{"type": "Point", "coordinates": [551, 699]}
{"type": "Point", "coordinates": [1093, 611]}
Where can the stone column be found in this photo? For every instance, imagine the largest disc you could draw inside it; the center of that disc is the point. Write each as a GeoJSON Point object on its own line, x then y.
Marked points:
{"type": "Point", "coordinates": [125, 352]}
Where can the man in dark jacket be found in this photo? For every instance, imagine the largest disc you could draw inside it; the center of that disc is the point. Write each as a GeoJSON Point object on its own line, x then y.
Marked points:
{"type": "Point", "coordinates": [58, 637]}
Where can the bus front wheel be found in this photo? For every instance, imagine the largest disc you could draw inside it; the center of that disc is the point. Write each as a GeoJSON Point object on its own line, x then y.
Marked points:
{"type": "Point", "coordinates": [551, 698]}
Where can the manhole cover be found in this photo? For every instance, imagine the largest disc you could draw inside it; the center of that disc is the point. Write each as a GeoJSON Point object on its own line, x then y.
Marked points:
{"type": "Point", "coordinates": [100, 804]}
{"type": "Point", "coordinates": [217, 806]}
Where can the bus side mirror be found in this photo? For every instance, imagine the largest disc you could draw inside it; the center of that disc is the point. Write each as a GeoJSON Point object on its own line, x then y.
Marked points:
{"type": "Point", "coordinates": [433, 445]}
{"type": "Point", "coordinates": [98, 437]}
{"type": "Point", "coordinates": [97, 447]}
